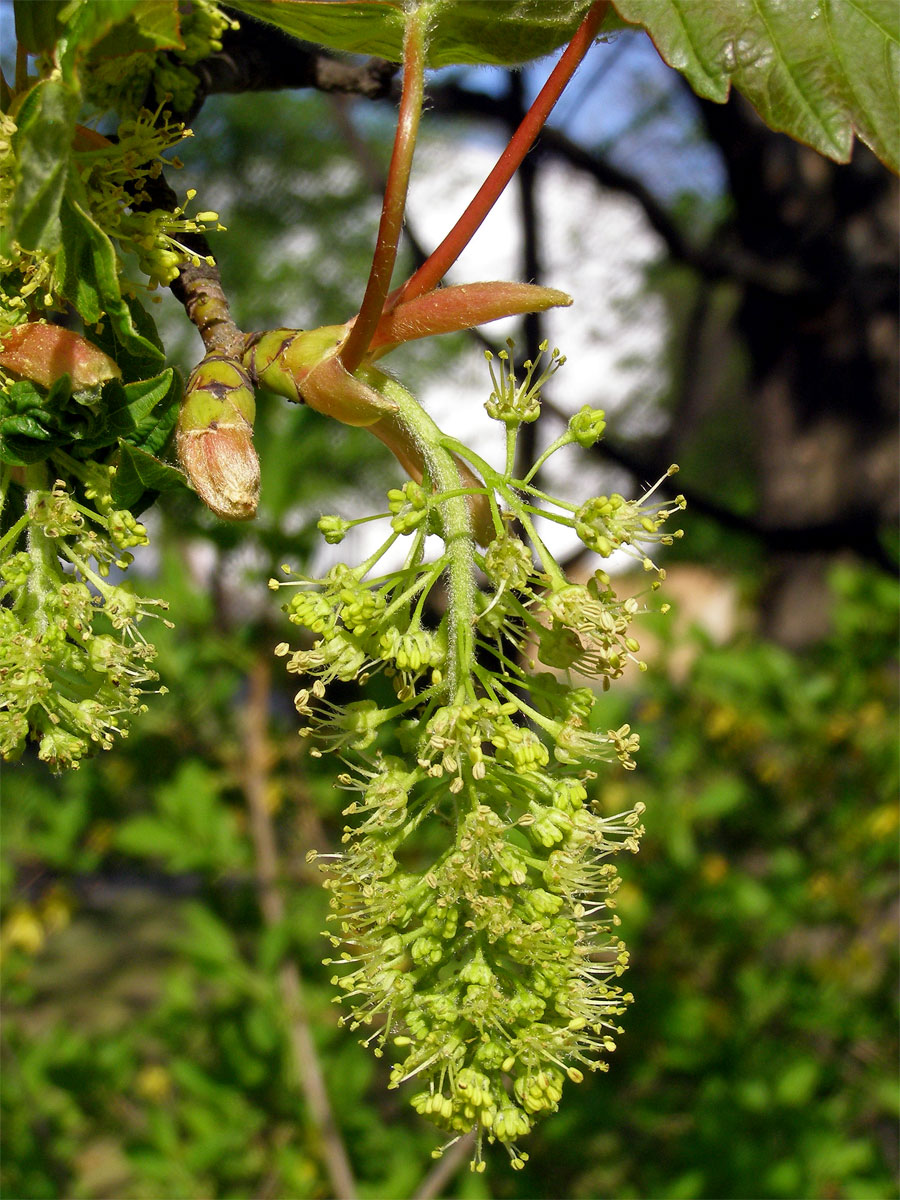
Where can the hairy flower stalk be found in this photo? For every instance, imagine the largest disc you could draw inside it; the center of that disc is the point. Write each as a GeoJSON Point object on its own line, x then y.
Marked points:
{"type": "Point", "coordinates": [472, 898]}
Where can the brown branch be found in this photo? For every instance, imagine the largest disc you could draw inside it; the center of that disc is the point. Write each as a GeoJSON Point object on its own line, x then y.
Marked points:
{"type": "Point", "coordinates": [199, 288]}
{"type": "Point", "coordinates": [531, 264]}
{"type": "Point", "coordinates": [257, 756]}
{"type": "Point", "coordinates": [259, 57]}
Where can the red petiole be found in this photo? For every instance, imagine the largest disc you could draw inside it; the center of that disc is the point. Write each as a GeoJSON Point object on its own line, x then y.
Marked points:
{"type": "Point", "coordinates": [433, 270]}
{"type": "Point", "coordinates": [373, 327]}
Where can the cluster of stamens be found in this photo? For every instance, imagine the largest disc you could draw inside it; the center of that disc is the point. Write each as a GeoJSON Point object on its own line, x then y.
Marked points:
{"type": "Point", "coordinates": [472, 898]}
{"type": "Point", "coordinates": [74, 663]}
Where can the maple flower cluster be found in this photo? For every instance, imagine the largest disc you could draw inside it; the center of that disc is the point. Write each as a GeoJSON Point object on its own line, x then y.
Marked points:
{"type": "Point", "coordinates": [74, 664]}
{"type": "Point", "coordinates": [108, 206]}
{"type": "Point", "coordinates": [485, 963]}
{"type": "Point", "coordinates": [123, 83]}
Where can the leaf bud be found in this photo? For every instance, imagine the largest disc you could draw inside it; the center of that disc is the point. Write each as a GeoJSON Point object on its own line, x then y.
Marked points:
{"type": "Point", "coordinates": [43, 353]}
{"type": "Point", "coordinates": [215, 438]}
{"type": "Point", "coordinates": [303, 366]}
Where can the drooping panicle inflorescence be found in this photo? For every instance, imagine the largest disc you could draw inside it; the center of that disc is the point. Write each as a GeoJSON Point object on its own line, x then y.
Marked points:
{"type": "Point", "coordinates": [487, 969]}
{"type": "Point", "coordinates": [74, 663]}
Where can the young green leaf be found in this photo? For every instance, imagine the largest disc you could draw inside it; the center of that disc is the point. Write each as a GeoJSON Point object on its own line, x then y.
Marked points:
{"type": "Point", "coordinates": [819, 72]}
{"type": "Point", "coordinates": [23, 438]}
{"type": "Point", "coordinates": [151, 25]}
{"type": "Point", "coordinates": [153, 431]}
{"type": "Point", "coordinates": [138, 360]}
{"type": "Point", "coordinates": [86, 22]}
{"type": "Point", "coordinates": [86, 274]}
{"type": "Point", "coordinates": [43, 145]}
{"type": "Point", "coordinates": [34, 421]}
{"type": "Point", "coordinates": [139, 472]}
{"type": "Point", "coordinates": [127, 409]}
{"type": "Point", "coordinates": [143, 395]}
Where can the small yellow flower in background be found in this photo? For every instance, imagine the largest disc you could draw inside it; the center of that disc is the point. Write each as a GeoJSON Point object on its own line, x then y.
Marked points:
{"type": "Point", "coordinates": [22, 930]}
{"type": "Point", "coordinates": [100, 836]}
{"type": "Point", "coordinates": [630, 901]}
{"type": "Point", "coordinates": [871, 714]}
{"type": "Point", "coordinates": [821, 885]}
{"type": "Point", "coordinates": [714, 868]}
{"type": "Point", "coordinates": [153, 1083]}
{"type": "Point", "coordinates": [650, 710]}
{"type": "Point", "coordinates": [883, 821]}
{"type": "Point", "coordinates": [721, 722]}
{"type": "Point", "coordinates": [769, 769]}
{"type": "Point", "coordinates": [840, 727]}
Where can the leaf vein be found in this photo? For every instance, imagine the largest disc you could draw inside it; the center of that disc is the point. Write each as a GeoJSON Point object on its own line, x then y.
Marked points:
{"type": "Point", "coordinates": [862, 107]}
{"type": "Point", "coordinates": [713, 78]}
{"type": "Point", "coordinates": [867, 16]}
{"type": "Point", "coordinates": [789, 74]}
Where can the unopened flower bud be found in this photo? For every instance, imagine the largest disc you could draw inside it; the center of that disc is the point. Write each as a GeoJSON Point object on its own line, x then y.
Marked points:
{"type": "Point", "coordinates": [587, 426]}
{"type": "Point", "coordinates": [334, 529]}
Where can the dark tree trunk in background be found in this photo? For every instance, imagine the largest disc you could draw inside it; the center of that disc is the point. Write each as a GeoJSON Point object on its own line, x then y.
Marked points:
{"type": "Point", "coordinates": [823, 355]}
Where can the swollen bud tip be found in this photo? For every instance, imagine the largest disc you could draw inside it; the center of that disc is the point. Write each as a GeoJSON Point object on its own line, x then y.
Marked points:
{"type": "Point", "coordinates": [215, 438]}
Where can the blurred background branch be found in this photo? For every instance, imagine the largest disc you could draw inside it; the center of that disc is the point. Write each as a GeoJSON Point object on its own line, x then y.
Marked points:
{"type": "Point", "coordinates": [257, 760]}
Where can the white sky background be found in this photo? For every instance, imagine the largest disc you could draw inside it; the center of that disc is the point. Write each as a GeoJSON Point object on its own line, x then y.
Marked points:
{"type": "Point", "coordinates": [595, 246]}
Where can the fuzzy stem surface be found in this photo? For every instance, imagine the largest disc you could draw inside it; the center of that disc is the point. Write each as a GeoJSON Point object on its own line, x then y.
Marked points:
{"type": "Point", "coordinates": [457, 533]}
